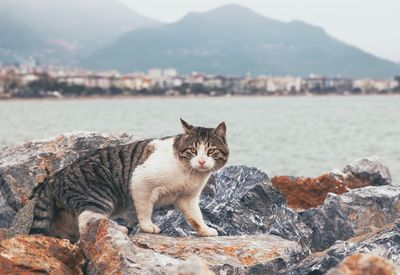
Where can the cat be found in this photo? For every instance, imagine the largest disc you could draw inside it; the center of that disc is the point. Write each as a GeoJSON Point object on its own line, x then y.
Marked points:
{"type": "Point", "coordinates": [145, 174]}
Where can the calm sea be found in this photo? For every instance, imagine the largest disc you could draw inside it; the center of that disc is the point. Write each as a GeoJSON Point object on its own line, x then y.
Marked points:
{"type": "Point", "coordinates": [302, 136]}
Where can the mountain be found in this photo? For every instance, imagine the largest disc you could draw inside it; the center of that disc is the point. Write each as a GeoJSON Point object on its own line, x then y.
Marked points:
{"type": "Point", "coordinates": [234, 40]}
{"type": "Point", "coordinates": [16, 39]}
{"type": "Point", "coordinates": [73, 28]}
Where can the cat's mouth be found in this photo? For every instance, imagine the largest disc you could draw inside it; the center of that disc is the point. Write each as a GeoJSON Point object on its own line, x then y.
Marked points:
{"type": "Point", "coordinates": [202, 169]}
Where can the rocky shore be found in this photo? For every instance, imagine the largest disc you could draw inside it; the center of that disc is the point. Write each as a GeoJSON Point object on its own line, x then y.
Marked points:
{"type": "Point", "coordinates": [342, 222]}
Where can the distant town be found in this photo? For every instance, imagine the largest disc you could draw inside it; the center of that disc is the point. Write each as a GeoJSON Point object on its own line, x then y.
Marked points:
{"type": "Point", "coordinates": [32, 81]}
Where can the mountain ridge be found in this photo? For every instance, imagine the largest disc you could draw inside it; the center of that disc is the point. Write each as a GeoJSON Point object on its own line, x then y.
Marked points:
{"type": "Point", "coordinates": [72, 27]}
{"type": "Point", "coordinates": [234, 40]}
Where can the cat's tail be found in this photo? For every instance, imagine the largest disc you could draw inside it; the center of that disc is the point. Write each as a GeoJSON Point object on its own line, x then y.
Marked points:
{"type": "Point", "coordinates": [35, 217]}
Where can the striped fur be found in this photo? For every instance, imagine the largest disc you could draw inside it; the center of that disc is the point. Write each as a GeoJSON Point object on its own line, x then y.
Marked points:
{"type": "Point", "coordinates": [100, 183]}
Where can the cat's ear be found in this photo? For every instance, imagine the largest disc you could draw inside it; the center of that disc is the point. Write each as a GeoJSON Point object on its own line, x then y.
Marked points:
{"type": "Point", "coordinates": [221, 129]}
{"type": "Point", "coordinates": [186, 126]}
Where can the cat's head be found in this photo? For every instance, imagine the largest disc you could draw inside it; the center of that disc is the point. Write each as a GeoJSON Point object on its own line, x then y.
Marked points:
{"type": "Point", "coordinates": [202, 149]}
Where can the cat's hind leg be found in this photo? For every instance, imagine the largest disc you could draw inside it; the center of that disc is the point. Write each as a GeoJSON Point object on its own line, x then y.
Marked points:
{"type": "Point", "coordinates": [87, 217]}
{"type": "Point", "coordinates": [65, 225]}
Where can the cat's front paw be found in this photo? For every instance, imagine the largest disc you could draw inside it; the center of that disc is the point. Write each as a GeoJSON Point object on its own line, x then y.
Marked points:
{"type": "Point", "coordinates": [208, 232]}
{"type": "Point", "coordinates": [150, 228]}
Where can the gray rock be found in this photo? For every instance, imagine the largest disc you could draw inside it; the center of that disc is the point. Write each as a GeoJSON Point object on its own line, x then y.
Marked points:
{"type": "Point", "coordinates": [369, 169]}
{"type": "Point", "coordinates": [385, 243]}
{"type": "Point", "coordinates": [253, 254]}
{"type": "Point", "coordinates": [108, 250]}
{"type": "Point", "coordinates": [357, 212]}
{"type": "Point", "coordinates": [7, 213]}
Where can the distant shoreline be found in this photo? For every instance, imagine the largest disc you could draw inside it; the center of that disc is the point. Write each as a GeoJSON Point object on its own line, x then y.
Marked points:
{"type": "Point", "coordinates": [129, 97]}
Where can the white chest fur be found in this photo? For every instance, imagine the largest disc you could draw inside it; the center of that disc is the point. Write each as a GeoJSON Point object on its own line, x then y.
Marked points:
{"type": "Point", "coordinates": [162, 178]}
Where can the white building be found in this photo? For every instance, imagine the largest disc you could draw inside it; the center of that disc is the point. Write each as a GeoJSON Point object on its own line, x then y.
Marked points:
{"type": "Point", "coordinates": [371, 85]}
{"type": "Point", "coordinates": [155, 73]}
{"type": "Point", "coordinates": [170, 73]}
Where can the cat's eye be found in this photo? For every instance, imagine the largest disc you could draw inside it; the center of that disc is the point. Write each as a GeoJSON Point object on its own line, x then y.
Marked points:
{"type": "Point", "coordinates": [210, 151]}
{"type": "Point", "coordinates": [193, 150]}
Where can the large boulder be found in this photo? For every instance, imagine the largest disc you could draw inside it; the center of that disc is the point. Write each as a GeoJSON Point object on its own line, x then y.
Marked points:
{"type": "Point", "coordinates": [370, 170]}
{"type": "Point", "coordinates": [40, 254]}
{"type": "Point", "coordinates": [384, 242]}
{"type": "Point", "coordinates": [303, 193]}
{"type": "Point", "coordinates": [357, 212]}
{"type": "Point", "coordinates": [108, 248]}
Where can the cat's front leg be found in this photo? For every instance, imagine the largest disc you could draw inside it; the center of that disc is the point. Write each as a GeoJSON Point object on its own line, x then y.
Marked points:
{"type": "Point", "coordinates": [144, 203]}
{"type": "Point", "coordinates": [189, 206]}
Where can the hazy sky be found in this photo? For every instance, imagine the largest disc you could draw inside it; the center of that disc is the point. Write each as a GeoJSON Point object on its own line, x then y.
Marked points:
{"type": "Point", "coordinates": [372, 25]}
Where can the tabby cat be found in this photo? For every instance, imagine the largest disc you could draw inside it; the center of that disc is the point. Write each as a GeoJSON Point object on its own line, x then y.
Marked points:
{"type": "Point", "coordinates": [146, 173]}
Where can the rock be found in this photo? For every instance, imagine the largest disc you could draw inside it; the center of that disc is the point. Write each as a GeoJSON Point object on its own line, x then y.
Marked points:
{"type": "Point", "coordinates": [356, 212]}
{"type": "Point", "coordinates": [24, 166]}
{"type": "Point", "coordinates": [369, 169]}
{"type": "Point", "coordinates": [243, 202]}
{"type": "Point", "coordinates": [7, 213]}
{"type": "Point", "coordinates": [3, 232]}
{"type": "Point", "coordinates": [39, 254]}
{"type": "Point", "coordinates": [253, 254]}
{"type": "Point", "coordinates": [109, 250]}
{"type": "Point", "coordinates": [303, 193]}
{"type": "Point", "coordinates": [384, 242]}
{"type": "Point", "coordinates": [365, 264]}
{"type": "Point", "coordinates": [192, 266]}
{"type": "Point", "coordinates": [240, 202]}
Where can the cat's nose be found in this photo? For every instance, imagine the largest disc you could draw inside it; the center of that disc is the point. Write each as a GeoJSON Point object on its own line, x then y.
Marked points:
{"type": "Point", "coordinates": [202, 162]}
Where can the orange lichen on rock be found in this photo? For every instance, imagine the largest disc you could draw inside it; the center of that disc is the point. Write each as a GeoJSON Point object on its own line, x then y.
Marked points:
{"type": "Point", "coordinates": [248, 260]}
{"type": "Point", "coordinates": [237, 251]}
{"type": "Point", "coordinates": [304, 193]}
{"type": "Point", "coordinates": [40, 254]}
{"type": "Point", "coordinates": [100, 249]}
{"type": "Point", "coordinates": [364, 264]}
{"type": "Point", "coordinates": [231, 250]}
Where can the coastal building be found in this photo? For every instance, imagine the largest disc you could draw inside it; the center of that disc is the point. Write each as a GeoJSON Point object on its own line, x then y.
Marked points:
{"type": "Point", "coordinates": [314, 83]}
{"type": "Point", "coordinates": [2, 85]}
{"type": "Point", "coordinates": [155, 73]}
{"type": "Point", "coordinates": [369, 85]}
{"type": "Point", "coordinates": [15, 80]}
{"type": "Point", "coordinates": [27, 78]}
{"type": "Point", "coordinates": [339, 84]}
{"type": "Point", "coordinates": [284, 85]}
{"type": "Point", "coordinates": [213, 82]}
{"type": "Point", "coordinates": [170, 73]}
